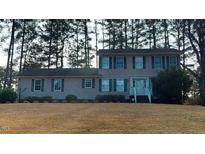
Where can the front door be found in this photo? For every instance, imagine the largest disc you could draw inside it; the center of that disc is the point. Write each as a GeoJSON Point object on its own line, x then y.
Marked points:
{"type": "Point", "coordinates": [139, 85]}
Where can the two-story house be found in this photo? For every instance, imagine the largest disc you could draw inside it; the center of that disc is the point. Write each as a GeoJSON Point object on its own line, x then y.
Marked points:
{"type": "Point", "coordinates": [126, 72]}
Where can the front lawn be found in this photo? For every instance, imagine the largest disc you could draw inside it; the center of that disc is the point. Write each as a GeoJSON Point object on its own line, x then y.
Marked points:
{"type": "Point", "coordinates": [101, 118]}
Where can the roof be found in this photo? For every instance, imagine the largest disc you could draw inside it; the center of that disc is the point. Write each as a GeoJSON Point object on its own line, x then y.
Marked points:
{"type": "Point", "coordinates": [139, 51]}
{"type": "Point", "coordinates": [60, 72]}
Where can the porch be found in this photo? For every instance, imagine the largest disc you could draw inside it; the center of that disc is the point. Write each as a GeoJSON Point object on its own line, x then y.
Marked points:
{"type": "Point", "coordinates": [140, 86]}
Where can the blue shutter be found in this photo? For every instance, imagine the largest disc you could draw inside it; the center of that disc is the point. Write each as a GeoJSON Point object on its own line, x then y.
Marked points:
{"type": "Point", "coordinates": [52, 85]}
{"type": "Point", "coordinates": [125, 85]}
{"type": "Point", "coordinates": [42, 85]}
{"type": "Point", "coordinates": [100, 84]}
{"type": "Point", "coordinates": [133, 82]}
{"type": "Point", "coordinates": [144, 62]}
{"type": "Point", "coordinates": [115, 62]}
{"type": "Point", "coordinates": [178, 61]}
{"type": "Point", "coordinates": [93, 83]}
{"type": "Point", "coordinates": [152, 61]}
{"type": "Point", "coordinates": [167, 61]}
{"type": "Point", "coordinates": [110, 85]}
{"type": "Point", "coordinates": [83, 83]}
{"type": "Point", "coordinates": [110, 62]}
{"type": "Point", "coordinates": [125, 62]}
{"type": "Point", "coordinates": [115, 84]}
{"type": "Point", "coordinates": [100, 62]}
{"type": "Point", "coordinates": [32, 85]}
{"type": "Point", "coordinates": [163, 62]}
{"type": "Point", "coordinates": [62, 87]}
{"type": "Point", "coordinates": [133, 62]}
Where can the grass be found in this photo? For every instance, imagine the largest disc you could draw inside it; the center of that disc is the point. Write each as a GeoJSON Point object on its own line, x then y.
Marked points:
{"type": "Point", "coordinates": [101, 118]}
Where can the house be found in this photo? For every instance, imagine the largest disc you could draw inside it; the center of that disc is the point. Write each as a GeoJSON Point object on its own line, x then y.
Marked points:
{"type": "Point", "coordinates": [127, 72]}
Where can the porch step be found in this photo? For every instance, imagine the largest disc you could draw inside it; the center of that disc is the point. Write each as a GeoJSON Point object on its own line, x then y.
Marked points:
{"type": "Point", "coordinates": [140, 99]}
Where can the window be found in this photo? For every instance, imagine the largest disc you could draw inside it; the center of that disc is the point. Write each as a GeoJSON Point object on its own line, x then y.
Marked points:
{"type": "Point", "coordinates": [158, 62]}
{"type": "Point", "coordinates": [120, 85]}
{"type": "Point", "coordinates": [139, 64]}
{"type": "Point", "coordinates": [119, 62]}
{"type": "Point", "coordinates": [57, 84]}
{"type": "Point", "coordinates": [105, 62]}
{"type": "Point", "coordinates": [172, 61]}
{"type": "Point", "coordinates": [88, 83]}
{"type": "Point", "coordinates": [105, 85]}
{"type": "Point", "coordinates": [37, 85]}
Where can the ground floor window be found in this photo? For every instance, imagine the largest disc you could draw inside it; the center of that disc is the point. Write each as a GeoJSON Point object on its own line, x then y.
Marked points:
{"type": "Point", "coordinates": [105, 85]}
{"type": "Point", "coordinates": [57, 84]}
{"type": "Point", "coordinates": [88, 83]}
{"type": "Point", "coordinates": [120, 85]}
{"type": "Point", "coordinates": [37, 85]}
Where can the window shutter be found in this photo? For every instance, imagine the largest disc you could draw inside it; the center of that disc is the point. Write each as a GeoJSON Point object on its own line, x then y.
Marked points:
{"type": "Point", "coordinates": [110, 62]}
{"type": "Point", "coordinates": [144, 62]}
{"type": "Point", "coordinates": [62, 82]}
{"type": "Point", "coordinates": [110, 84]}
{"type": "Point", "coordinates": [178, 61]}
{"type": "Point", "coordinates": [100, 62]}
{"type": "Point", "coordinates": [52, 85]}
{"type": "Point", "coordinates": [167, 61]}
{"type": "Point", "coordinates": [115, 84]}
{"type": "Point", "coordinates": [32, 85]}
{"type": "Point", "coordinates": [93, 83]}
{"type": "Point", "coordinates": [125, 85]}
{"type": "Point", "coordinates": [152, 61]}
{"type": "Point", "coordinates": [133, 83]}
{"type": "Point", "coordinates": [42, 85]}
{"type": "Point", "coordinates": [100, 84]}
{"type": "Point", "coordinates": [163, 62]}
{"type": "Point", "coordinates": [125, 62]}
{"type": "Point", "coordinates": [114, 62]}
{"type": "Point", "coordinates": [133, 62]}
{"type": "Point", "coordinates": [83, 83]}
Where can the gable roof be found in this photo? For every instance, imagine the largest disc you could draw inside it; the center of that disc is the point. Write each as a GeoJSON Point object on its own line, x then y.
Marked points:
{"type": "Point", "coordinates": [60, 72]}
{"type": "Point", "coordinates": [139, 51]}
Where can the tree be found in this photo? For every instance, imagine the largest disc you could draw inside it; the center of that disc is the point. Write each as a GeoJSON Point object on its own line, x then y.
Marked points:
{"type": "Point", "coordinates": [196, 34]}
{"type": "Point", "coordinates": [172, 85]}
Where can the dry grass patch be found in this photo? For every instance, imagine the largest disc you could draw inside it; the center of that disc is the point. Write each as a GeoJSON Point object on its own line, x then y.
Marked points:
{"type": "Point", "coordinates": [101, 118]}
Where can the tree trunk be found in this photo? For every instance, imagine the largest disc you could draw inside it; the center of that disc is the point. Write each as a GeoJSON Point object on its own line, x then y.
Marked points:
{"type": "Point", "coordinates": [9, 54]}
{"type": "Point", "coordinates": [50, 44]}
{"type": "Point", "coordinates": [22, 47]}
{"type": "Point", "coordinates": [132, 39]}
{"type": "Point", "coordinates": [126, 33]}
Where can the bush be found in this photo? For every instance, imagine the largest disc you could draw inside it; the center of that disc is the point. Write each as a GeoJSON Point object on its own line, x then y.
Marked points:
{"type": "Point", "coordinates": [38, 99]}
{"type": "Point", "coordinates": [8, 95]}
{"type": "Point", "coordinates": [110, 98]}
{"type": "Point", "coordinates": [46, 99]}
{"type": "Point", "coordinates": [71, 98]}
{"type": "Point", "coordinates": [170, 83]}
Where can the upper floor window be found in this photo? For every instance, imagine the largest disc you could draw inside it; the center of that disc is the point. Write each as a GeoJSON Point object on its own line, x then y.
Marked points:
{"type": "Point", "coordinates": [120, 85]}
{"type": "Point", "coordinates": [105, 85]}
{"type": "Point", "coordinates": [158, 62]}
{"type": "Point", "coordinates": [139, 62]}
{"type": "Point", "coordinates": [172, 61]}
{"type": "Point", "coordinates": [119, 63]}
{"type": "Point", "coordinates": [88, 83]}
{"type": "Point", "coordinates": [37, 85]}
{"type": "Point", "coordinates": [105, 62]}
{"type": "Point", "coordinates": [57, 84]}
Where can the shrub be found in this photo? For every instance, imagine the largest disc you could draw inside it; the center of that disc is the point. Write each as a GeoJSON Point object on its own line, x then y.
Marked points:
{"type": "Point", "coordinates": [110, 98]}
{"type": "Point", "coordinates": [170, 83]}
{"type": "Point", "coordinates": [38, 99]}
{"type": "Point", "coordinates": [8, 95]}
{"type": "Point", "coordinates": [71, 98]}
{"type": "Point", "coordinates": [46, 99]}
